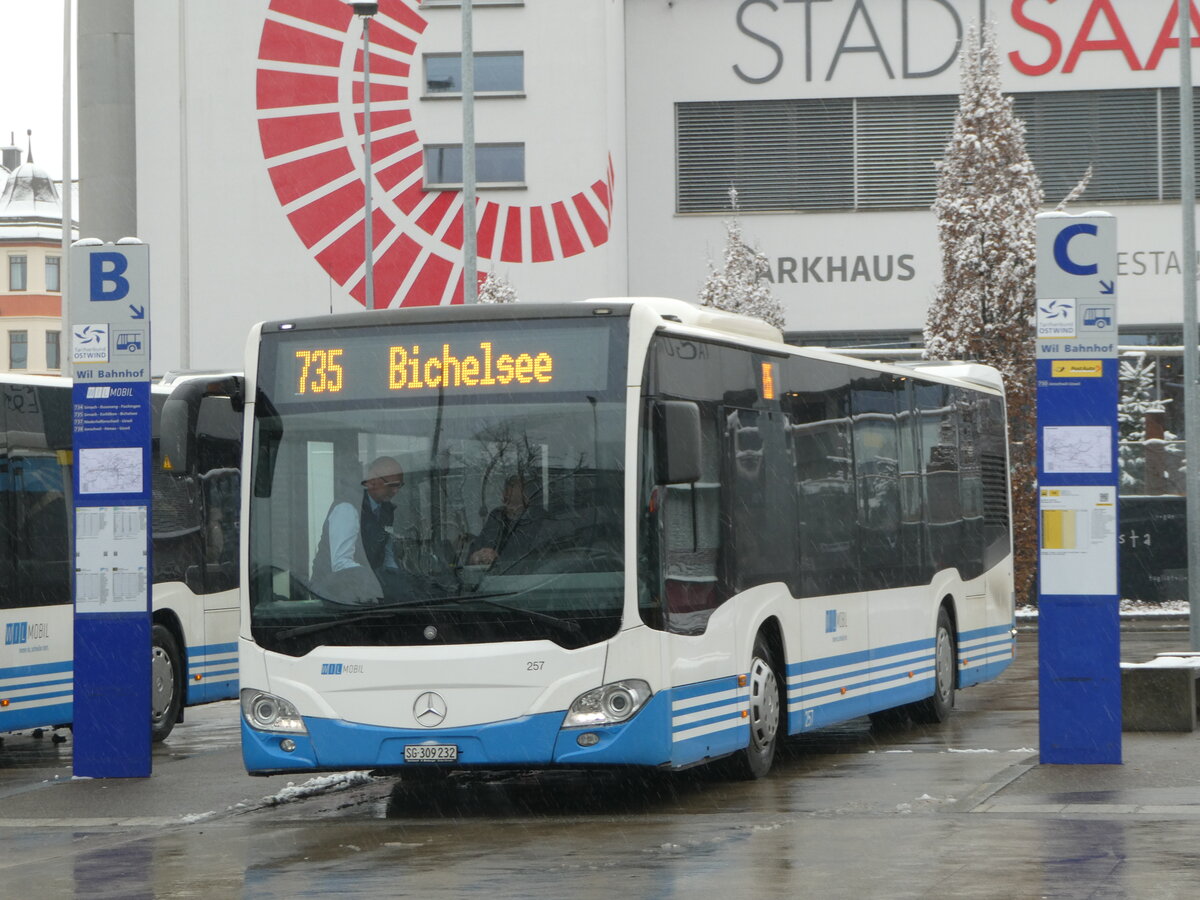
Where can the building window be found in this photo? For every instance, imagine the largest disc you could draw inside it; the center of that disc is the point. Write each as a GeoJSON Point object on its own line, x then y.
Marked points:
{"type": "Point", "coordinates": [18, 350]}
{"type": "Point", "coordinates": [53, 351]}
{"type": "Point", "coordinates": [52, 274]}
{"type": "Point", "coordinates": [867, 153]}
{"type": "Point", "coordinates": [495, 74]}
{"type": "Point", "coordinates": [17, 273]}
{"type": "Point", "coordinates": [496, 165]}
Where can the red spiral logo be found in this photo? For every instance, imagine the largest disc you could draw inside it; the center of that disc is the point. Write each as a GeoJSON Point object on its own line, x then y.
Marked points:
{"type": "Point", "coordinates": [310, 96]}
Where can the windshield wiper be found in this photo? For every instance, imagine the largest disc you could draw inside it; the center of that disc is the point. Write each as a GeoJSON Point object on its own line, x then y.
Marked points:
{"type": "Point", "coordinates": [568, 625]}
{"type": "Point", "coordinates": [386, 610]}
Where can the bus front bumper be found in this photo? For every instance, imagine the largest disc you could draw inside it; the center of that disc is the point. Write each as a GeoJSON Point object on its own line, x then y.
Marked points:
{"type": "Point", "coordinates": [526, 742]}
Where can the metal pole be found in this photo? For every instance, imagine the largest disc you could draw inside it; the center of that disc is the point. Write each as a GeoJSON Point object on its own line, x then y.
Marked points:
{"type": "Point", "coordinates": [64, 334]}
{"type": "Point", "coordinates": [185, 234]}
{"type": "Point", "coordinates": [368, 236]}
{"type": "Point", "coordinates": [1191, 400]}
{"type": "Point", "coordinates": [470, 262]}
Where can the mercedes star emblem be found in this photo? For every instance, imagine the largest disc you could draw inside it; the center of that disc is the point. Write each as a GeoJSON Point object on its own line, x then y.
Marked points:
{"type": "Point", "coordinates": [430, 709]}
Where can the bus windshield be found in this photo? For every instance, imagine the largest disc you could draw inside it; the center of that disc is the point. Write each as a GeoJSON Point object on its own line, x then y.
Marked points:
{"type": "Point", "coordinates": [446, 484]}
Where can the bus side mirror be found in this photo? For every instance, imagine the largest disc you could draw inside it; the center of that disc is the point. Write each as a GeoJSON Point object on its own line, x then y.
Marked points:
{"type": "Point", "coordinates": [677, 437]}
{"type": "Point", "coordinates": [181, 412]}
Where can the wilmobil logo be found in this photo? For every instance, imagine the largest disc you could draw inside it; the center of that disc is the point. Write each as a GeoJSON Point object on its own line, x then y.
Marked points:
{"type": "Point", "coordinates": [331, 668]}
{"type": "Point", "coordinates": [16, 633]}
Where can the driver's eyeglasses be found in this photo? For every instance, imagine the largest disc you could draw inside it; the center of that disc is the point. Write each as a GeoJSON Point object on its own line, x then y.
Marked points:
{"type": "Point", "coordinates": [396, 482]}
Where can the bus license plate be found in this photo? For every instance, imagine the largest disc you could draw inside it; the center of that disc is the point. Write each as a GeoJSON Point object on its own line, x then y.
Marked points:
{"type": "Point", "coordinates": [415, 753]}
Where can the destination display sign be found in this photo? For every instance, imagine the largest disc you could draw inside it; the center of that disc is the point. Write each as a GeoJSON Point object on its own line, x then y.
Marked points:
{"type": "Point", "coordinates": [534, 357]}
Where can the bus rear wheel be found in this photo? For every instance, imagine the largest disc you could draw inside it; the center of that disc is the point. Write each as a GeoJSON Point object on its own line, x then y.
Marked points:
{"type": "Point", "coordinates": [166, 682]}
{"type": "Point", "coordinates": [935, 709]}
{"type": "Point", "coordinates": [766, 715]}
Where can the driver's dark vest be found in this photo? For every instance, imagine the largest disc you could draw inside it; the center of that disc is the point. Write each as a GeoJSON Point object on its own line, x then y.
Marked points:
{"type": "Point", "coordinates": [369, 548]}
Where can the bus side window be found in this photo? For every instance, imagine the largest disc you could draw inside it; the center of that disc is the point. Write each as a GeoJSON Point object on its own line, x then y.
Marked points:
{"type": "Point", "coordinates": [940, 471]}
{"type": "Point", "coordinates": [877, 473]}
{"type": "Point", "coordinates": [37, 486]}
{"type": "Point", "coordinates": [817, 410]}
{"type": "Point", "coordinates": [994, 476]}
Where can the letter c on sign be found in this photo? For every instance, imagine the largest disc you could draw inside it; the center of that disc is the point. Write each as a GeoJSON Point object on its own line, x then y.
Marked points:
{"type": "Point", "coordinates": [1060, 249]}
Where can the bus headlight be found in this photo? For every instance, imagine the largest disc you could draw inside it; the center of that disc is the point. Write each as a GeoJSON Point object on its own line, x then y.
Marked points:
{"type": "Point", "coordinates": [266, 712]}
{"type": "Point", "coordinates": [609, 704]}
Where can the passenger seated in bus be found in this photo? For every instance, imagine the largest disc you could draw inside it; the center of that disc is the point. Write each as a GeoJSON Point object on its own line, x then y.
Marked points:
{"type": "Point", "coordinates": [512, 531]}
{"type": "Point", "coordinates": [356, 558]}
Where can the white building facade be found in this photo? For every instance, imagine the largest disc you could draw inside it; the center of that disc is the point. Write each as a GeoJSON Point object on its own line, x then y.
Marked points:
{"type": "Point", "coordinates": [609, 133]}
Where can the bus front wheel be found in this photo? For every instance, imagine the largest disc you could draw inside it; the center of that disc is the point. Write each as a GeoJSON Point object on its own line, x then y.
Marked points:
{"type": "Point", "coordinates": [166, 683]}
{"type": "Point", "coordinates": [766, 712]}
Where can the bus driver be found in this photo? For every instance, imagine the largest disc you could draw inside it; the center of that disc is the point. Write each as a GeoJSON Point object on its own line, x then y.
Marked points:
{"type": "Point", "coordinates": [358, 542]}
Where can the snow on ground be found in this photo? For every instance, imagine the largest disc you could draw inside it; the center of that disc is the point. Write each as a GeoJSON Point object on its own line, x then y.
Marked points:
{"type": "Point", "coordinates": [322, 784]}
{"type": "Point", "coordinates": [1128, 608]}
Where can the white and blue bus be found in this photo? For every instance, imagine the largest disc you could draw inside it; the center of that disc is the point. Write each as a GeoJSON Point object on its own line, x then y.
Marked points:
{"type": "Point", "coordinates": [729, 539]}
{"type": "Point", "coordinates": [196, 454]}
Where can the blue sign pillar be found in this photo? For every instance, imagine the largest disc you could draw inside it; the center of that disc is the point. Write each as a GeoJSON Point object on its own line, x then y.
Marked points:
{"type": "Point", "coordinates": [1079, 678]}
{"type": "Point", "coordinates": [110, 354]}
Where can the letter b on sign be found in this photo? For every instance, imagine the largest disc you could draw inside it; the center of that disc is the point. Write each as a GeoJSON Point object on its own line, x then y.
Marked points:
{"type": "Point", "coordinates": [108, 281]}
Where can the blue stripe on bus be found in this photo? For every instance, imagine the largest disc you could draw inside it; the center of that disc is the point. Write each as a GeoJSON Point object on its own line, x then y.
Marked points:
{"type": "Point", "coordinates": [985, 672]}
{"type": "Point", "coordinates": [860, 686]}
{"type": "Point", "coordinates": [216, 664]}
{"type": "Point", "coordinates": [882, 667]}
{"type": "Point", "coordinates": [700, 688]}
{"type": "Point", "coordinates": [30, 698]}
{"type": "Point", "coordinates": [709, 746]}
{"type": "Point", "coordinates": [705, 707]}
{"type": "Point", "coordinates": [988, 652]}
{"type": "Point", "coordinates": [722, 734]}
{"type": "Point", "coordinates": [38, 669]}
{"type": "Point", "coordinates": [35, 717]}
{"type": "Point", "coordinates": [226, 649]}
{"type": "Point", "coordinates": [731, 716]}
{"type": "Point", "coordinates": [990, 630]}
{"type": "Point", "coordinates": [33, 685]}
{"type": "Point", "coordinates": [859, 656]}
{"type": "Point", "coordinates": [210, 663]}
{"type": "Point", "coordinates": [881, 655]}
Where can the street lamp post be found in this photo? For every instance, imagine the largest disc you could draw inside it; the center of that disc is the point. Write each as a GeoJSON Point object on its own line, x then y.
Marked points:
{"type": "Point", "coordinates": [470, 251]}
{"type": "Point", "coordinates": [366, 11]}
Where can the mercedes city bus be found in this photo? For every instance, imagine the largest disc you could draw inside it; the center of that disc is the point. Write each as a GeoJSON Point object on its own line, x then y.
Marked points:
{"type": "Point", "coordinates": [730, 540]}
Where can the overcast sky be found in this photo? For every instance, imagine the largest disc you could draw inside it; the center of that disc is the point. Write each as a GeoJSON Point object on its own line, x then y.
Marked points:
{"type": "Point", "coordinates": [31, 94]}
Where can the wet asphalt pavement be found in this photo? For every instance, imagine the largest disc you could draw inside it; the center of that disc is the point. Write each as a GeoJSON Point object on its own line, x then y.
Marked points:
{"type": "Point", "coordinates": [960, 810]}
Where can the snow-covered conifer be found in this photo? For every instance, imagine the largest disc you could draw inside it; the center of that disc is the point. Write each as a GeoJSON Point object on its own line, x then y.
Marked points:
{"type": "Point", "coordinates": [1146, 462]}
{"type": "Point", "coordinates": [741, 284]}
{"type": "Point", "coordinates": [987, 199]}
{"type": "Point", "coordinates": [497, 289]}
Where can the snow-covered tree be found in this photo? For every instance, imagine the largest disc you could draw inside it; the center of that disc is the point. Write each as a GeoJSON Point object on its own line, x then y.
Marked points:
{"type": "Point", "coordinates": [741, 285]}
{"type": "Point", "coordinates": [497, 289]}
{"type": "Point", "coordinates": [1145, 461]}
{"type": "Point", "coordinates": [987, 199]}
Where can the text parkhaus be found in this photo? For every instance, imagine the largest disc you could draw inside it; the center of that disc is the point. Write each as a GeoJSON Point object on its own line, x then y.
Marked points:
{"type": "Point", "coordinates": [841, 269]}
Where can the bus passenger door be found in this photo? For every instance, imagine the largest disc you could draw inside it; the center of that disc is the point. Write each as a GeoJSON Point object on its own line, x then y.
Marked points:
{"type": "Point", "coordinates": [218, 457]}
